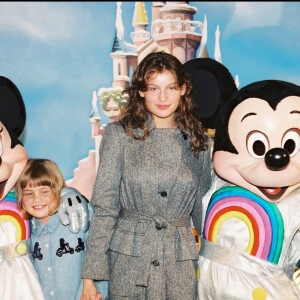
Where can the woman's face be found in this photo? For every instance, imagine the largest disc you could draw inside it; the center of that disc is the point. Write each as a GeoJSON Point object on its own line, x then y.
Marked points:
{"type": "Point", "coordinates": [162, 98]}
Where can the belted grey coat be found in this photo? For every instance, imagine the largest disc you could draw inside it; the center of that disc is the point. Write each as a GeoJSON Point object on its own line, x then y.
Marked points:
{"type": "Point", "coordinates": [145, 192]}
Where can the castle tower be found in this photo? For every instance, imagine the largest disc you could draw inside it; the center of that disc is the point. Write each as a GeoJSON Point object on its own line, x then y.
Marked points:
{"type": "Point", "coordinates": [95, 117]}
{"type": "Point", "coordinates": [140, 22]}
{"type": "Point", "coordinates": [124, 55]}
{"type": "Point", "coordinates": [175, 31]}
{"type": "Point", "coordinates": [155, 11]}
{"type": "Point", "coordinates": [95, 125]}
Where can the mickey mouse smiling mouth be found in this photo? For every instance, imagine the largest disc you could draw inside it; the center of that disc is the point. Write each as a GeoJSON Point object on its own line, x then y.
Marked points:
{"type": "Point", "coordinates": [273, 193]}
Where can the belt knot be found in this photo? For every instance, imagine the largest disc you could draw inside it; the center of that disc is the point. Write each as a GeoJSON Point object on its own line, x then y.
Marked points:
{"type": "Point", "coordinates": [160, 222]}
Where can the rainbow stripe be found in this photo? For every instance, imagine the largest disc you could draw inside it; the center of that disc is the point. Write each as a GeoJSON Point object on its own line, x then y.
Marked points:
{"type": "Point", "coordinates": [9, 212]}
{"type": "Point", "coordinates": [263, 219]}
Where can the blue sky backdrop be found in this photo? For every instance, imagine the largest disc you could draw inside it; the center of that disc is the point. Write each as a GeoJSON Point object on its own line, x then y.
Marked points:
{"type": "Point", "coordinates": [58, 53]}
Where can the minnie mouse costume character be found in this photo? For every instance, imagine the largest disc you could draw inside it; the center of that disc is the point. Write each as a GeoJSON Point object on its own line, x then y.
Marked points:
{"type": "Point", "coordinates": [250, 223]}
{"type": "Point", "coordinates": [18, 277]}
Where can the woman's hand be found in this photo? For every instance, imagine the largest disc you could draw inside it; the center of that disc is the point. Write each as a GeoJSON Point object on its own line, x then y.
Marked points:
{"type": "Point", "coordinates": [89, 291]}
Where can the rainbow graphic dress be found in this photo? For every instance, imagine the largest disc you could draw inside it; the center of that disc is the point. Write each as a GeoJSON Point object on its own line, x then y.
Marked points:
{"type": "Point", "coordinates": [9, 212]}
{"type": "Point", "coordinates": [263, 220]}
{"type": "Point", "coordinates": [18, 276]}
{"type": "Point", "coordinates": [249, 246]}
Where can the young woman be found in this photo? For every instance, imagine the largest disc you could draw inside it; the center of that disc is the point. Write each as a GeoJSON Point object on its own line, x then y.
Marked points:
{"type": "Point", "coordinates": [57, 253]}
{"type": "Point", "coordinates": [154, 169]}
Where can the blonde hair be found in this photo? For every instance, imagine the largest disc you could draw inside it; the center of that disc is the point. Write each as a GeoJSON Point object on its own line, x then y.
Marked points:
{"type": "Point", "coordinates": [40, 172]}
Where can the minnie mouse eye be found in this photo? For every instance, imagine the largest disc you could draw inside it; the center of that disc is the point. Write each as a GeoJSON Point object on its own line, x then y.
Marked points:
{"type": "Point", "coordinates": [257, 144]}
{"type": "Point", "coordinates": [291, 141]}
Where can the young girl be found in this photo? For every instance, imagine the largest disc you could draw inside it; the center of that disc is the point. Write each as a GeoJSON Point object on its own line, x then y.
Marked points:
{"type": "Point", "coordinates": [154, 170]}
{"type": "Point", "coordinates": [57, 253]}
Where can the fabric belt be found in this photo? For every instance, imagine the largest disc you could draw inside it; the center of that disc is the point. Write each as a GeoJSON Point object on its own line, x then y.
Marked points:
{"type": "Point", "coordinates": [159, 221]}
{"type": "Point", "coordinates": [245, 262]}
{"type": "Point", "coordinates": [144, 263]}
{"type": "Point", "coordinates": [15, 250]}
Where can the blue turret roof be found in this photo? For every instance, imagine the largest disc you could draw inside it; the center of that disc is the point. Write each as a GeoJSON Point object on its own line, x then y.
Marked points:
{"type": "Point", "coordinates": [120, 45]}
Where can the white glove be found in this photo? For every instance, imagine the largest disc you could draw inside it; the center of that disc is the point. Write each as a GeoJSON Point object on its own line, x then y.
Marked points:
{"type": "Point", "coordinates": [74, 210]}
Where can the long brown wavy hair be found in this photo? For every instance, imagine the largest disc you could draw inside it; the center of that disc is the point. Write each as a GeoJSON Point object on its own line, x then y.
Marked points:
{"type": "Point", "coordinates": [135, 113]}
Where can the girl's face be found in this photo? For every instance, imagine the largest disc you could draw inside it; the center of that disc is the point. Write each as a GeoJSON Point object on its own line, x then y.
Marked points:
{"type": "Point", "coordinates": [162, 98]}
{"type": "Point", "coordinates": [38, 201]}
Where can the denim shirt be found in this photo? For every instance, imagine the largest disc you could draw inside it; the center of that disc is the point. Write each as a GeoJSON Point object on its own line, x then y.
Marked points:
{"type": "Point", "coordinates": [57, 256]}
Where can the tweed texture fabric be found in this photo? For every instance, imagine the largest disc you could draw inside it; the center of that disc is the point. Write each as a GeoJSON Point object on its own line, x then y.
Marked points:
{"type": "Point", "coordinates": [145, 192]}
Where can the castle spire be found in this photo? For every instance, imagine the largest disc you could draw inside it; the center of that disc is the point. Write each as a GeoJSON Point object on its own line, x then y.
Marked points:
{"type": "Point", "coordinates": [140, 14]}
{"type": "Point", "coordinates": [119, 22]}
{"type": "Point", "coordinates": [203, 53]}
{"type": "Point", "coordinates": [140, 23]}
{"type": "Point", "coordinates": [217, 46]}
{"type": "Point", "coordinates": [237, 82]}
{"type": "Point", "coordinates": [119, 44]}
{"type": "Point", "coordinates": [119, 35]}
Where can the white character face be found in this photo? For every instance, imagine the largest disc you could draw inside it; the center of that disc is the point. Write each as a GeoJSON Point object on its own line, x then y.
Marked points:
{"type": "Point", "coordinates": [162, 98]}
{"type": "Point", "coordinates": [13, 162]}
{"type": "Point", "coordinates": [268, 144]}
{"type": "Point", "coordinates": [112, 110]}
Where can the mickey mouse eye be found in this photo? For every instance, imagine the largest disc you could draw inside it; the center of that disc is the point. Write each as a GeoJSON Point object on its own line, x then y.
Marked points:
{"type": "Point", "coordinates": [291, 141]}
{"type": "Point", "coordinates": [257, 144]}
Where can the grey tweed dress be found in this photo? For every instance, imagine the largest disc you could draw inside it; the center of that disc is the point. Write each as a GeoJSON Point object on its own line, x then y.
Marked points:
{"type": "Point", "coordinates": [145, 192]}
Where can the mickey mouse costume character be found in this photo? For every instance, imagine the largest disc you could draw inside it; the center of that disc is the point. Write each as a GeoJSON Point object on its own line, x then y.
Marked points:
{"type": "Point", "coordinates": [18, 277]}
{"type": "Point", "coordinates": [250, 224]}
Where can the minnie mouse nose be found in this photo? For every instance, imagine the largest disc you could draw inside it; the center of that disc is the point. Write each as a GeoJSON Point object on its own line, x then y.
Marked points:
{"type": "Point", "coordinates": [277, 159]}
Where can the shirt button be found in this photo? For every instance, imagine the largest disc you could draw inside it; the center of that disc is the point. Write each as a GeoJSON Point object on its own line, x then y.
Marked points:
{"type": "Point", "coordinates": [49, 269]}
{"type": "Point", "coordinates": [51, 293]}
{"type": "Point", "coordinates": [155, 263]}
{"type": "Point", "coordinates": [158, 227]}
{"type": "Point", "coordinates": [164, 194]}
{"type": "Point", "coordinates": [47, 245]}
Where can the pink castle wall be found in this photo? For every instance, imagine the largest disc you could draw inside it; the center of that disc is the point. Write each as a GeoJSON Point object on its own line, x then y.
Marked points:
{"type": "Point", "coordinates": [85, 175]}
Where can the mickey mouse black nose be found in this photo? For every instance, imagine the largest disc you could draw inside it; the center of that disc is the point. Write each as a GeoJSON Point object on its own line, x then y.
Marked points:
{"type": "Point", "coordinates": [277, 159]}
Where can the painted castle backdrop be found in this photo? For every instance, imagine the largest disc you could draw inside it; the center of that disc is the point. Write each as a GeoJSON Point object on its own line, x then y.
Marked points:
{"type": "Point", "coordinates": [173, 30]}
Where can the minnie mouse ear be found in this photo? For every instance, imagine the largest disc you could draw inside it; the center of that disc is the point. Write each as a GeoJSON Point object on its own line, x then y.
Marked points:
{"type": "Point", "coordinates": [212, 84]}
{"type": "Point", "coordinates": [12, 108]}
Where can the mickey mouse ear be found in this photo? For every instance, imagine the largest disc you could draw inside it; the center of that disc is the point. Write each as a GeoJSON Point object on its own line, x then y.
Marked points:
{"type": "Point", "coordinates": [212, 84]}
{"type": "Point", "coordinates": [12, 108]}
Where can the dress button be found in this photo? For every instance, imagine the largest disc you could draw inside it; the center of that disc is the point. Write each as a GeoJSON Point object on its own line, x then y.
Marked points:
{"type": "Point", "coordinates": [164, 194]}
{"type": "Point", "coordinates": [155, 263]}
